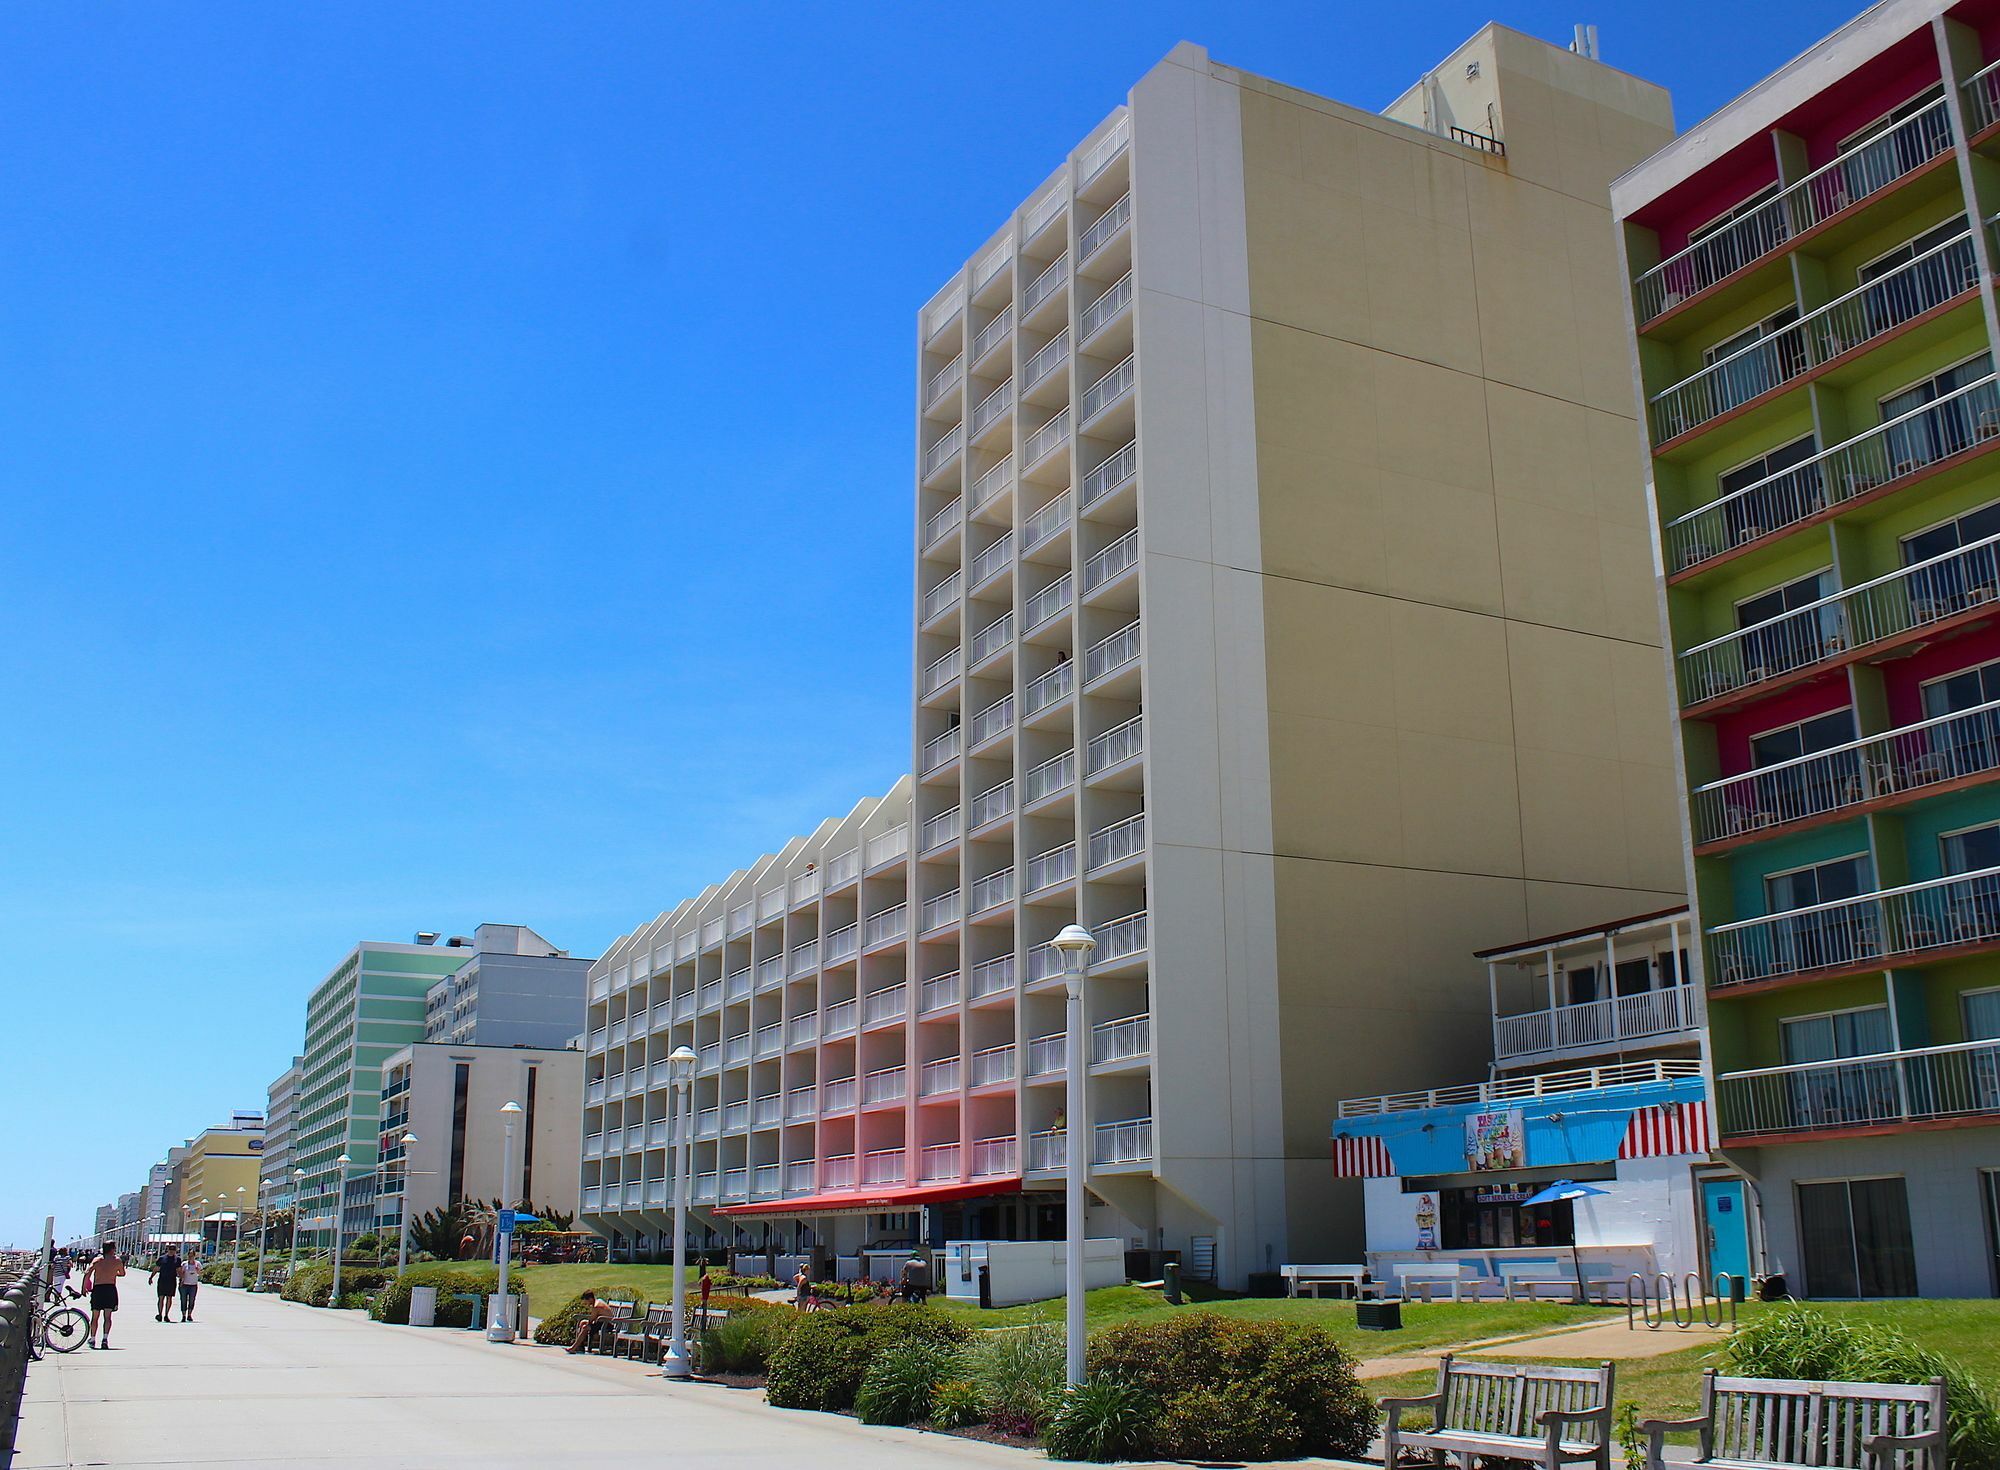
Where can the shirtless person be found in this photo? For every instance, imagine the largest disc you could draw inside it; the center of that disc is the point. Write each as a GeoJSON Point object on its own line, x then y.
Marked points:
{"type": "Point", "coordinates": [600, 1320]}
{"type": "Point", "coordinates": [101, 1277]}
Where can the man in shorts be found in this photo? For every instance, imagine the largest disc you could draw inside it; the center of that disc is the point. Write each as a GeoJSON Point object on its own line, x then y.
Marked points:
{"type": "Point", "coordinates": [598, 1326]}
{"type": "Point", "coordinates": [190, 1279]}
{"type": "Point", "coordinates": [166, 1275]}
{"type": "Point", "coordinates": [101, 1276]}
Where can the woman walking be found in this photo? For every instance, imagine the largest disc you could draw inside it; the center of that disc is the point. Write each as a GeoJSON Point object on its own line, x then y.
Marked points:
{"type": "Point", "coordinates": [190, 1279]}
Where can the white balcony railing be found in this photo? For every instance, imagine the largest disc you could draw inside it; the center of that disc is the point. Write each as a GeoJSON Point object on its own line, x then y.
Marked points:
{"type": "Point", "coordinates": [1901, 602]}
{"type": "Point", "coordinates": [1051, 355]}
{"type": "Point", "coordinates": [1919, 1085]}
{"type": "Point", "coordinates": [1948, 748]}
{"type": "Point", "coordinates": [736, 1049]}
{"type": "Point", "coordinates": [1046, 440]}
{"type": "Point", "coordinates": [1106, 565]}
{"type": "Point", "coordinates": [1879, 456]}
{"type": "Point", "coordinates": [805, 957]}
{"type": "Point", "coordinates": [1537, 1084]}
{"type": "Point", "coordinates": [938, 830]}
{"type": "Point", "coordinates": [940, 672]}
{"type": "Point", "coordinates": [799, 1177]}
{"type": "Point", "coordinates": [1044, 963]}
{"type": "Point", "coordinates": [1111, 472]}
{"type": "Point", "coordinates": [1048, 688]}
{"type": "Point", "coordinates": [1104, 228]}
{"type": "Point", "coordinates": [995, 719]}
{"type": "Point", "coordinates": [1048, 603]}
{"type": "Point", "coordinates": [941, 597]}
{"type": "Point", "coordinates": [842, 944]}
{"type": "Point", "coordinates": [943, 523]}
{"type": "Point", "coordinates": [1852, 176]}
{"type": "Point", "coordinates": [805, 886]}
{"type": "Point", "coordinates": [944, 380]}
{"type": "Point", "coordinates": [1849, 933]}
{"type": "Point", "coordinates": [684, 1004]}
{"type": "Point", "coordinates": [990, 639]}
{"type": "Point", "coordinates": [882, 1166]}
{"type": "Point", "coordinates": [939, 993]}
{"type": "Point", "coordinates": [885, 1004]}
{"type": "Point", "coordinates": [802, 1104]}
{"type": "Point", "coordinates": [1107, 390]}
{"type": "Point", "coordinates": [1047, 1054]}
{"type": "Point", "coordinates": [1105, 309]}
{"type": "Point", "coordinates": [844, 869]}
{"type": "Point", "coordinates": [802, 1030]}
{"type": "Point", "coordinates": [770, 971]}
{"type": "Point", "coordinates": [741, 918]}
{"type": "Point", "coordinates": [767, 1111]}
{"type": "Point", "coordinates": [992, 891]}
{"type": "Point", "coordinates": [1045, 870]}
{"type": "Point", "coordinates": [1648, 1015]}
{"type": "Point", "coordinates": [1047, 1151]}
{"type": "Point", "coordinates": [940, 912]}
{"type": "Point", "coordinates": [770, 1039]}
{"type": "Point", "coordinates": [766, 1181]}
{"type": "Point", "coordinates": [837, 1096]}
{"type": "Point", "coordinates": [707, 1186]}
{"type": "Point", "coordinates": [942, 312]}
{"type": "Point", "coordinates": [1981, 96]}
{"type": "Point", "coordinates": [1129, 1141]}
{"type": "Point", "coordinates": [1119, 743]}
{"type": "Point", "coordinates": [994, 1064]}
{"type": "Point", "coordinates": [1121, 1040]}
{"type": "Point", "coordinates": [711, 1056]}
{"type": "Point", "coordinates": [938, 1078]}
{"type": "Point", "coordinates": [944, 451]}
{"type": "Point", "coordinates": [1045, 285]}
{"type": "Point", "coordinates": [993, 560]}
{"type": "Point", "coordinates": [1051, 520]}
{"type": "Point", "coordinates": [1044, 211]}
{"type": "Point", "coordinates": [989, 485]}
{"type": "Point", "coordinates": [941, 750]}
{"type": "Point", "coordinates": [1108, 655]}
{"type": "Point", "coordinates": [735, 1117]}
{"type": "Point", "coordinates": [1104, 150]}
{"type": "Point", "coordinates": [940, 1162]}
{"type": "Point", "coordinates": [989, 409]}
{"type": "Point", "coordinates": [738, 984]}
{"type": "Point", "coordinates": [884, 1085]}
{"type": "Point", "coordinates": [890, 923]}
{"type": "Point", "coordinates": [991, 1156]}
{"type": "Point", "coordinates": [993, 333]}
{"type": "Point", "coordinates": [990, 805]}
{"type": "Point", "coordinates": [711, 932]}
{"type": "Point", "coordinates": [1120, 938]}
{"type": "Point", "coordinates": [1118, 841]}
{"type": "Point", "coordinates": [839, 1018]}
{"type": "Point", "coordinates": [837, 1172]}
{"type": "Point", "coordinates": [1868, 311]}
{"type": "Point", "coordinates": [991, 977]}
{"type": "Point", "coordinates": [708, 1122]}
{"type": "Point", "coordinates": [735, 1184]}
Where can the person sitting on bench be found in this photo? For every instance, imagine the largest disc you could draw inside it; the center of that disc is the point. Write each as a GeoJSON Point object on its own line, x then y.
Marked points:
{"type": "Point", "coordinates": [600, 1323]}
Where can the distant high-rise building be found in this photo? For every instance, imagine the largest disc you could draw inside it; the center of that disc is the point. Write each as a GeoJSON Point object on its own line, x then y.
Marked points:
{"type": "Point", "coordinates": [274, 1171]}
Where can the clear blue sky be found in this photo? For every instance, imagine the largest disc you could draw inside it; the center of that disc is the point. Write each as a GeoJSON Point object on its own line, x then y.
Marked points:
{"type": "Point", "coordinates": [454, 465]}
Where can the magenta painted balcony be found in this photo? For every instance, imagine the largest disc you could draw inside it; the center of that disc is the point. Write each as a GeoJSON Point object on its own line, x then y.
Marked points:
{"type": "Point", "coordinates": [991, 1156]}
{"type": "Point", "coordinates": [882, 1166]}
{"type": "Point", "coordinates": [837, 1172]}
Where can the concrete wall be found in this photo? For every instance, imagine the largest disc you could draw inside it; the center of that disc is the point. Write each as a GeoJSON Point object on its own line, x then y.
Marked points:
{"type": "Point", "coordinates": [499, 1075]}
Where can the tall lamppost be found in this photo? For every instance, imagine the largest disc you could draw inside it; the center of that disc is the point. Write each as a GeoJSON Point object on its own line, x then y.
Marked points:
{"type": "Point", "coordinates": [1074, 945]}
{"type": "Point", "coordinates": [500, 1329]}
{"type": "Point", "coordinates": [298, 1193]}
{"type": "Point", "coordinates": [236, 1253]}
{"type": "Point", "coordinates": [403, 1234]}
{"type": "Point", "coordinates": [339, 1224]}
{"type": "Point", "coordinates": [674, 1362]}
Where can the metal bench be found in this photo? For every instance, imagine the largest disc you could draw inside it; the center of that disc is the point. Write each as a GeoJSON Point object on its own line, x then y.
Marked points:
{"type": "Point", "coordinates": [1307, 1280]}
{"type": "Point", "coordinates": [1544, 1415]}
{"type": "Point", "coordinates": [1781, 1423]}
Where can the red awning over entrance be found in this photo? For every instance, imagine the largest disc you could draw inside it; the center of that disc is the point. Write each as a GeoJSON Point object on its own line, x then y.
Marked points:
{"type": "Point", "coordinates": [876, 1201]}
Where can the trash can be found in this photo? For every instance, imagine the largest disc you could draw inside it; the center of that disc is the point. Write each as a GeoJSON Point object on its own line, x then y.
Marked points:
{"type": "Point", "coordinates": [1771, 1288]}
{"type": "Point", "coordinates": [1172, 1274]}
{"type": "Point", "coordinates": [423, 1306]}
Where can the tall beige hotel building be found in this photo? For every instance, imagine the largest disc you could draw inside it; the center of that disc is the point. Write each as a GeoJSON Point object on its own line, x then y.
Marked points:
{"type": "Point", "coordinates": [1283, 614]}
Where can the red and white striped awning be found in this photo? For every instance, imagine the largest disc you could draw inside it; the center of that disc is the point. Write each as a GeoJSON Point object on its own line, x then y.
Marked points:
{"type": "Point", "coordinates": [1361, 1158]}
{"type": "Point", "coordinates": [1671, 1128]}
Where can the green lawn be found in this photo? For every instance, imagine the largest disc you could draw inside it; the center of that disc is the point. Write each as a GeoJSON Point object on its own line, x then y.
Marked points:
{"type": "Point", "coordinates": [1670, 1386]}
{"type": "Point", "coordinates": [549, 1287]}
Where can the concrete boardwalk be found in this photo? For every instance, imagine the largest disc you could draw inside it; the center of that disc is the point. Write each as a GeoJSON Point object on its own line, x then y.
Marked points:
{"type": "Point", "coordinates": [254, 1381]}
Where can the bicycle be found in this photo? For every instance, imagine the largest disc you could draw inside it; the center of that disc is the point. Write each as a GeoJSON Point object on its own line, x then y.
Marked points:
{"type": "Point", "coordinates": [55, 1324]}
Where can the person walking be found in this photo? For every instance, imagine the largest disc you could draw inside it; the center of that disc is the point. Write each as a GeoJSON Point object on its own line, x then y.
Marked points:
{"type": "Point", "coordinates": [190, 1281]}
{"type": "Point", "coordinates": [917, 1278]}
{"type": "Point", "coordinates": [166, 1275]}
{"type": "Point", "coordinates": [102, 1279]}
{"type": "Point", "coordinates": [801, 1288]}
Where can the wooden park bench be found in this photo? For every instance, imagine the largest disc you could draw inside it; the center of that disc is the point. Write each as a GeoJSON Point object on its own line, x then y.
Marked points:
{"type": "Point", "coordinates": [1544, 1415]}
{"type": "Point", "coordinates": [1781, 1423]}
{"type": "Point", "coordinates": [642, 1339]}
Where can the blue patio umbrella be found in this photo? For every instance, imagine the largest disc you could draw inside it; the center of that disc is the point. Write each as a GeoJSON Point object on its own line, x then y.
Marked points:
{"type": "Point", "coordinates": [1563, 1189]}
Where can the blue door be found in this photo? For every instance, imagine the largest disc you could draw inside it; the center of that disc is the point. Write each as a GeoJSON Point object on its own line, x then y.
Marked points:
{"type": "Point", "coordinates": [1727, 1228]}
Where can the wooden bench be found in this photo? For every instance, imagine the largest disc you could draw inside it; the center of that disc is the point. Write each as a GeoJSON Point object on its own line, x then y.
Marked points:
{"type": "Point", "coordinates": [1545, 1415]}
{"type": "Point", "coordinates": [1779, 1423]}
{"type": "Point", "coordinates": [1307, 1280]}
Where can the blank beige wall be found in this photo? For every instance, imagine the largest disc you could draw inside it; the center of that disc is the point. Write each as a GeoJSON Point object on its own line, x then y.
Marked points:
{"type": "Point", "coordinates": [1468, 718]}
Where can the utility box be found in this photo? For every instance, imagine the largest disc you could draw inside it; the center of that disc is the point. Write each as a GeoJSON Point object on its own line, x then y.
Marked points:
{"type": "Point", "coordinates": [1379, 1316]}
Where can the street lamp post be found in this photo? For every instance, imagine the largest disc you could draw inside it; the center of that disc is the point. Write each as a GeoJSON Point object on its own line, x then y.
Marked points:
{"type": "Point", "coordinates": [500, 1329]}
{"type": "Point", "coordinates": [1074, 945]}
{"type": "Point", "coordinates": [236, 1253]}
{"type": "Point", "coordinates": [674, 1362]}
{"type": "Point", "coordinates": [403, 1234]}
{"type": "Point", "coordinates": [298, 1190]}
{"type": "Point", "coordinates": [339, 1224]}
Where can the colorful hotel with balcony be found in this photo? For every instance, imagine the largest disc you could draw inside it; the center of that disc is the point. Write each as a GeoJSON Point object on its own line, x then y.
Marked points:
{"type": "Point", "coordinates": [1281, 614]}
{"type": "Point", "coordinates": [1813, 311]}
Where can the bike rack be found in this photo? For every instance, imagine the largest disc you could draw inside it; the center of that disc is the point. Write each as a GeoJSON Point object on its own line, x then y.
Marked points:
{"type": "Point", "coordinates": [1659, 1298]}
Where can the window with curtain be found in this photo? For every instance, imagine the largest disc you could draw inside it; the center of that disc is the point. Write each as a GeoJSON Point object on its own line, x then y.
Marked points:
{"type": "Point", "coordinates": [1779, 635]}
{"type": "Point", "coordinates": [1776, 504]}
{"type": "Point", "coordinates": [1934, 432]}
{"type": "Point", "coordinates": [1971, 851]}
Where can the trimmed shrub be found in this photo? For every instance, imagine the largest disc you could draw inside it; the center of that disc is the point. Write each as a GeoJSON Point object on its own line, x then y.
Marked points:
{"type": "Point", "coordinates": [1231, 1390]}
{"type": "Point", "coordinates": [1017, 1373]}
{"type": "Point", "coordinates": [1103, 1420]}
{"type": "Point", "coordinates": [957, 1403]}
{"type": "Point", "coordinates": [744, 1341]}
{"type": "Point", "coordinates": [1797, 1342]}
{"type": "Point", "coordinates": [823, 1359]}
{"type": "Point", "coordinates": [393, 1304]}
{"type": "Point", "coordinates": [897, 1387]}
{"type": "Point", "coordinates": [314, 1284]}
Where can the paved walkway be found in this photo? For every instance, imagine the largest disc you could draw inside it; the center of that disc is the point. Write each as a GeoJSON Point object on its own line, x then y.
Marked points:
{"type": "Point", "coordinates": [254, 1381]}
{"type": "Point", "coordinates": [1591, 1340]}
